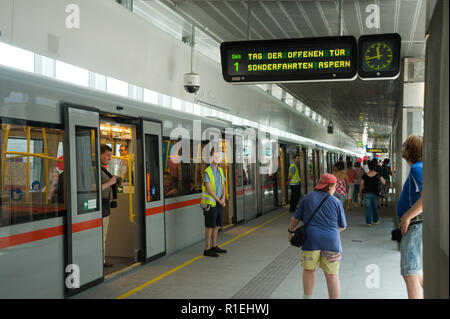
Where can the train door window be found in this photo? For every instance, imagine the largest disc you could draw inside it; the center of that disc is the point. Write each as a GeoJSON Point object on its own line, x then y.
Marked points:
{"type": "Point", "coordinates": [31, 173]}
{"type": "Point", "coordinates": [87, 170]}
{"type": "Point", "coordinates": [152, 168]}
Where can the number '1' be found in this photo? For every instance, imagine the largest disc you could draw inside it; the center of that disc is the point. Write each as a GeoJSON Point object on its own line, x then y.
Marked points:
{"type": "Point", "coordinates": [237, 66]}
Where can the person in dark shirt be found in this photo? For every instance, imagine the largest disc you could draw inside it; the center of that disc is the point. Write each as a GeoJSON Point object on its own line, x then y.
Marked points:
{"type": "Point", "coordinates": [369, 192]}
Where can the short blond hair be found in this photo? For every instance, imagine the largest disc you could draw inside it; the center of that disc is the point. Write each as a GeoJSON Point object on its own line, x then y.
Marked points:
{"type": "Point", "coordinates": [413, 148]}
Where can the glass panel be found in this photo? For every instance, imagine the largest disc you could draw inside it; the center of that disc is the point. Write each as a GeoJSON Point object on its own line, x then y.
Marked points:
{"type": "Point", "coordinates": [32, 179]}
{"type": "Point", "coordinates": [182, 178]}
{"type": "Point", "coordinates": [72, 74]}
{"type": "Point", "coordinates": [152, 168]}
{"type": "Point", "coordinates": [87, 169]}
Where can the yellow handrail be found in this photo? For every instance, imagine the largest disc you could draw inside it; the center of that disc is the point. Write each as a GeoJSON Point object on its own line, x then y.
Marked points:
{"type": "Point", "coordinates": [44, 136]}
{"type": "Point", "coordinates": [129, 158]}
{"type": "Point", "coordinates": [22, 154]}
{"type": "Point", "coordinates": [27, 196]}
{"type": "Point", "coordinates": [5, 149]}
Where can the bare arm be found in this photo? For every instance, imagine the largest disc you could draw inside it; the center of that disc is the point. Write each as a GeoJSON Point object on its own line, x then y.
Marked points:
{"type": "Point", "coordinates": [210, 191]}
{"type": "Point", "coordinates": [361, 187]}
{"type": "Point", "coordinates": [292, 226]}
{"type": "Point", "coordinates": [109, 183]}
{"type": "Point", "coordinates": [415, 210]}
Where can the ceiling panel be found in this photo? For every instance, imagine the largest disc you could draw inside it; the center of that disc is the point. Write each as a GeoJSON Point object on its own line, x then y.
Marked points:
{"type": "Point", "coordinates": [353, 106]}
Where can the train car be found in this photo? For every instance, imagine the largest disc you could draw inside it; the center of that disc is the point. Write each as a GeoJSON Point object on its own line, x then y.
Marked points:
{"type": "Point", "coordinates": [51, 133]}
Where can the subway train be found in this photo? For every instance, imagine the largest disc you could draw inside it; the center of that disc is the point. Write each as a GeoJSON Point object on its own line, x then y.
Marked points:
{"type": "Point", "coordinates": [50, 211]}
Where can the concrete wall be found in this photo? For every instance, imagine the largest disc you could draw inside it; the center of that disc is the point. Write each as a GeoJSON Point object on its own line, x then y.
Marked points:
{"type": "Point", "coordinates": [436, 157]}
{"type": "Point", "coordinates": [115, 42]}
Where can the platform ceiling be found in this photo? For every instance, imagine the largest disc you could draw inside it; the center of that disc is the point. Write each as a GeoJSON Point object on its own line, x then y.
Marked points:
{"type": "Point", "coordinates": [354, 106]}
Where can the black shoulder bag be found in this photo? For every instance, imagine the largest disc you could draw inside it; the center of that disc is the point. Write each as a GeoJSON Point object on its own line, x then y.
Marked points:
{"type": "Point", "coordinates": [298, 239]}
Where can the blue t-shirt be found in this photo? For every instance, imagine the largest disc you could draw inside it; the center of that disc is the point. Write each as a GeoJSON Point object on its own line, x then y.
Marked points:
{"type": "Point", "coordinates": [322, 233]}
{"type": "Point", "coordinates": [217, 180]}
{"type": "Point", "coordinates": [411, 189]}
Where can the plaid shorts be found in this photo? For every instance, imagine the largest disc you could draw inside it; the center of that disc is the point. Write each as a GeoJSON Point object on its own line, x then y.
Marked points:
{"type": "Point", "coordinates": [328, 261]}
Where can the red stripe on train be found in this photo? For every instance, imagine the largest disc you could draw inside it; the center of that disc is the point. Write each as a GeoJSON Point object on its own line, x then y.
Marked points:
{"type": "Point", "coordinates": [24, 238]}
{"type": "Point", "coordinates": [160, 209]}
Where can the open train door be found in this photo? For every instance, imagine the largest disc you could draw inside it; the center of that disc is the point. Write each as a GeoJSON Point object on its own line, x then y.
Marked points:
{"type": "Point", "coordinates": [155, 236]}
{"type": "Point", "coordinates": [84, 217]}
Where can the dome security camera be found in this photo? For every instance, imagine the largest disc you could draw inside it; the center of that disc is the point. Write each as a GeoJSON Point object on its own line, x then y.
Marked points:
{"type": "Point", "coordinates": [191, 82]}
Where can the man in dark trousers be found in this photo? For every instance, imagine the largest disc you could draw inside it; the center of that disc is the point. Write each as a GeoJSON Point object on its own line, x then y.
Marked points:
{"type": "Point", "coordinates": [213, 194]}
{"type": "Point", "coordinates": [294, 182]}
{"type": "Point", "coordinates": [107, 182]}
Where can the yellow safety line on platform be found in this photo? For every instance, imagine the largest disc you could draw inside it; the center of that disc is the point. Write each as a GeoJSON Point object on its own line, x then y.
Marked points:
{"type": "Point", "coordinates": [122, 270]}
{"type": "Point", "coordinates": [148, 283]}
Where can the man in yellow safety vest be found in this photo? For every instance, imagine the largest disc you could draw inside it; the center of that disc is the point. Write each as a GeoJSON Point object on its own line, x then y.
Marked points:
{"type": "Point", "coordinates": [213, 194]}
{"type": "Point", "coordinates": [294, 183]}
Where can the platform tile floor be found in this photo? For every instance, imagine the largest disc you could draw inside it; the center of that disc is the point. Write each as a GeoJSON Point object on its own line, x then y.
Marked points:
{"type": "Point", "coordinates": [261, 264]}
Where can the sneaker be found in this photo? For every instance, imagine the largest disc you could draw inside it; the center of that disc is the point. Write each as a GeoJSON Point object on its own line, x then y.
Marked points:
{"type": "Point", "coordinates": [210, 253]}
{"type": "Point", "coordinates": [377, 222]}
{"type": "Point", "coordinates": [108, 265]}
{"type": "Point", "coordinates": [370, 225]}
{"type": "Point", "coordinates": [219, 250]}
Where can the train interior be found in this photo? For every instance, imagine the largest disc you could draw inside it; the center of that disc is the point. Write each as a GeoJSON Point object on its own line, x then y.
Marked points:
{"type": "Point", "coordinates": [121, 232]}
{"type": "Point", "coordinates": [31, 173]}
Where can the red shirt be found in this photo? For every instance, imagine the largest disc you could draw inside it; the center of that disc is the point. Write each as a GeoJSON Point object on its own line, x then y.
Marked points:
{"type": "Point", "coordinates": [351, 175]}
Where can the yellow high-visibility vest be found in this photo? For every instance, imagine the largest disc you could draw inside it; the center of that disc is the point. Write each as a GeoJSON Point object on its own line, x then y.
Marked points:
{"type": "Point", "coordinates": [296, 177]}
{"type": "Point", "coordinates": [206, 198]}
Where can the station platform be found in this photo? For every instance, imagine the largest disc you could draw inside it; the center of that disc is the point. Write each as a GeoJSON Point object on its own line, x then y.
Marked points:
{"type": "Point", "coordinates": [260, 264]}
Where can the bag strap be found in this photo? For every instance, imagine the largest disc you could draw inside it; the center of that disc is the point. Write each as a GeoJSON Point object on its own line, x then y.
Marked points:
{"type": "Point", "coordinates": [317, 209]}
{"type": "Point", "coordinates": [113, 187]}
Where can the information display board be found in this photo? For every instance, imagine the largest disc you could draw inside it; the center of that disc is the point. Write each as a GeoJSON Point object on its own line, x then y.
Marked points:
{"type": "Point", "coordinates": [290, 60]}
{"type": "Point", "coordinates": [376, 150]}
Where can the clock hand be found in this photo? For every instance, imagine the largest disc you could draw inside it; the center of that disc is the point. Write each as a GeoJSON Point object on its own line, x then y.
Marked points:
{"type": "Point", "coordinates": [373, 57]}
{"type": "Point", "coordinates": [378, 51]}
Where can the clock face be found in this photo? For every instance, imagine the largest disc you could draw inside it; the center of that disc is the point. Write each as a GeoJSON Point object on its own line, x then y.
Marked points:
{"type": "Point", "coordinates": [378, 56]}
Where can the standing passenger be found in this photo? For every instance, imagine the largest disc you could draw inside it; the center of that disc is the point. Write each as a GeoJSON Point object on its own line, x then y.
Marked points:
{"type": "Point", "coordinates": [386, 173]}
{"type": "Point", "coordinates": [213, 194]}
{"type": "Point", "coordinates": [410, 212]}
{"type": "Point", "coordinates": [359, 172]}
{"type": "Point", "coordinates": [322, 244]}
{"type": "Point", "coordinates": [107, 182]}
{"type": "Point", "coordinates": [294, 183]}
{"type": "Point", "coordinates": [351, 173]}
{"type": "Point", "coordinates": [342, 182]}
{"type": "Point", "coordinates": [369, 192]}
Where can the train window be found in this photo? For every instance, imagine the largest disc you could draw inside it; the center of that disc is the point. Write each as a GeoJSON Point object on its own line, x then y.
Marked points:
{"type": "Point", "coordinates": [152, 168]}
{"type": "Point", "coordinates": [87, 169]}
{"type": "Point", "coordinates": [182, 178]}
{"type": "Point", "coordinates": [32, 176]}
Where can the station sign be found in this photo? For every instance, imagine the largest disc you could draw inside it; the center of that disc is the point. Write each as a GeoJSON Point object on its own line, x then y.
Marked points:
{"type": "Point", "coordinates": [379, 56]}
{"type": "Point", "coordinates": [373, 57]}
{"type": "Point", "coordinates": [290, 60]}
{"type": "Point", "coordinates": [376, 150]}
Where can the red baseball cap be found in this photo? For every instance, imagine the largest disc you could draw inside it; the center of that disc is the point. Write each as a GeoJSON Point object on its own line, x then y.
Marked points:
{"type": "Point", "coordinates": [324, 180]}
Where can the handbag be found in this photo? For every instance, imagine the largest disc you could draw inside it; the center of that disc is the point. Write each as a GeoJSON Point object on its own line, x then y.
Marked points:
{"type": "Point", "coordinates": [396, 235]}
{"type": "Point", "coordinates": [205, 208]}
{"type": "Point", "coordinates": [298, 239]}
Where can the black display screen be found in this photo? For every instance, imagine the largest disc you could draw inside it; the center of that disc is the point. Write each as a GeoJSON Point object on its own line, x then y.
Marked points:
{"type": "Point", "coordinates": [290, 60]}
{"type": "Point", "coordinates": [379, 55]}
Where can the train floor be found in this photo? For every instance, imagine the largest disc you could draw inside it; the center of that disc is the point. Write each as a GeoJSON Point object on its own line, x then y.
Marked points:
{"type": "Point", "coordinates": [261, 264]}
